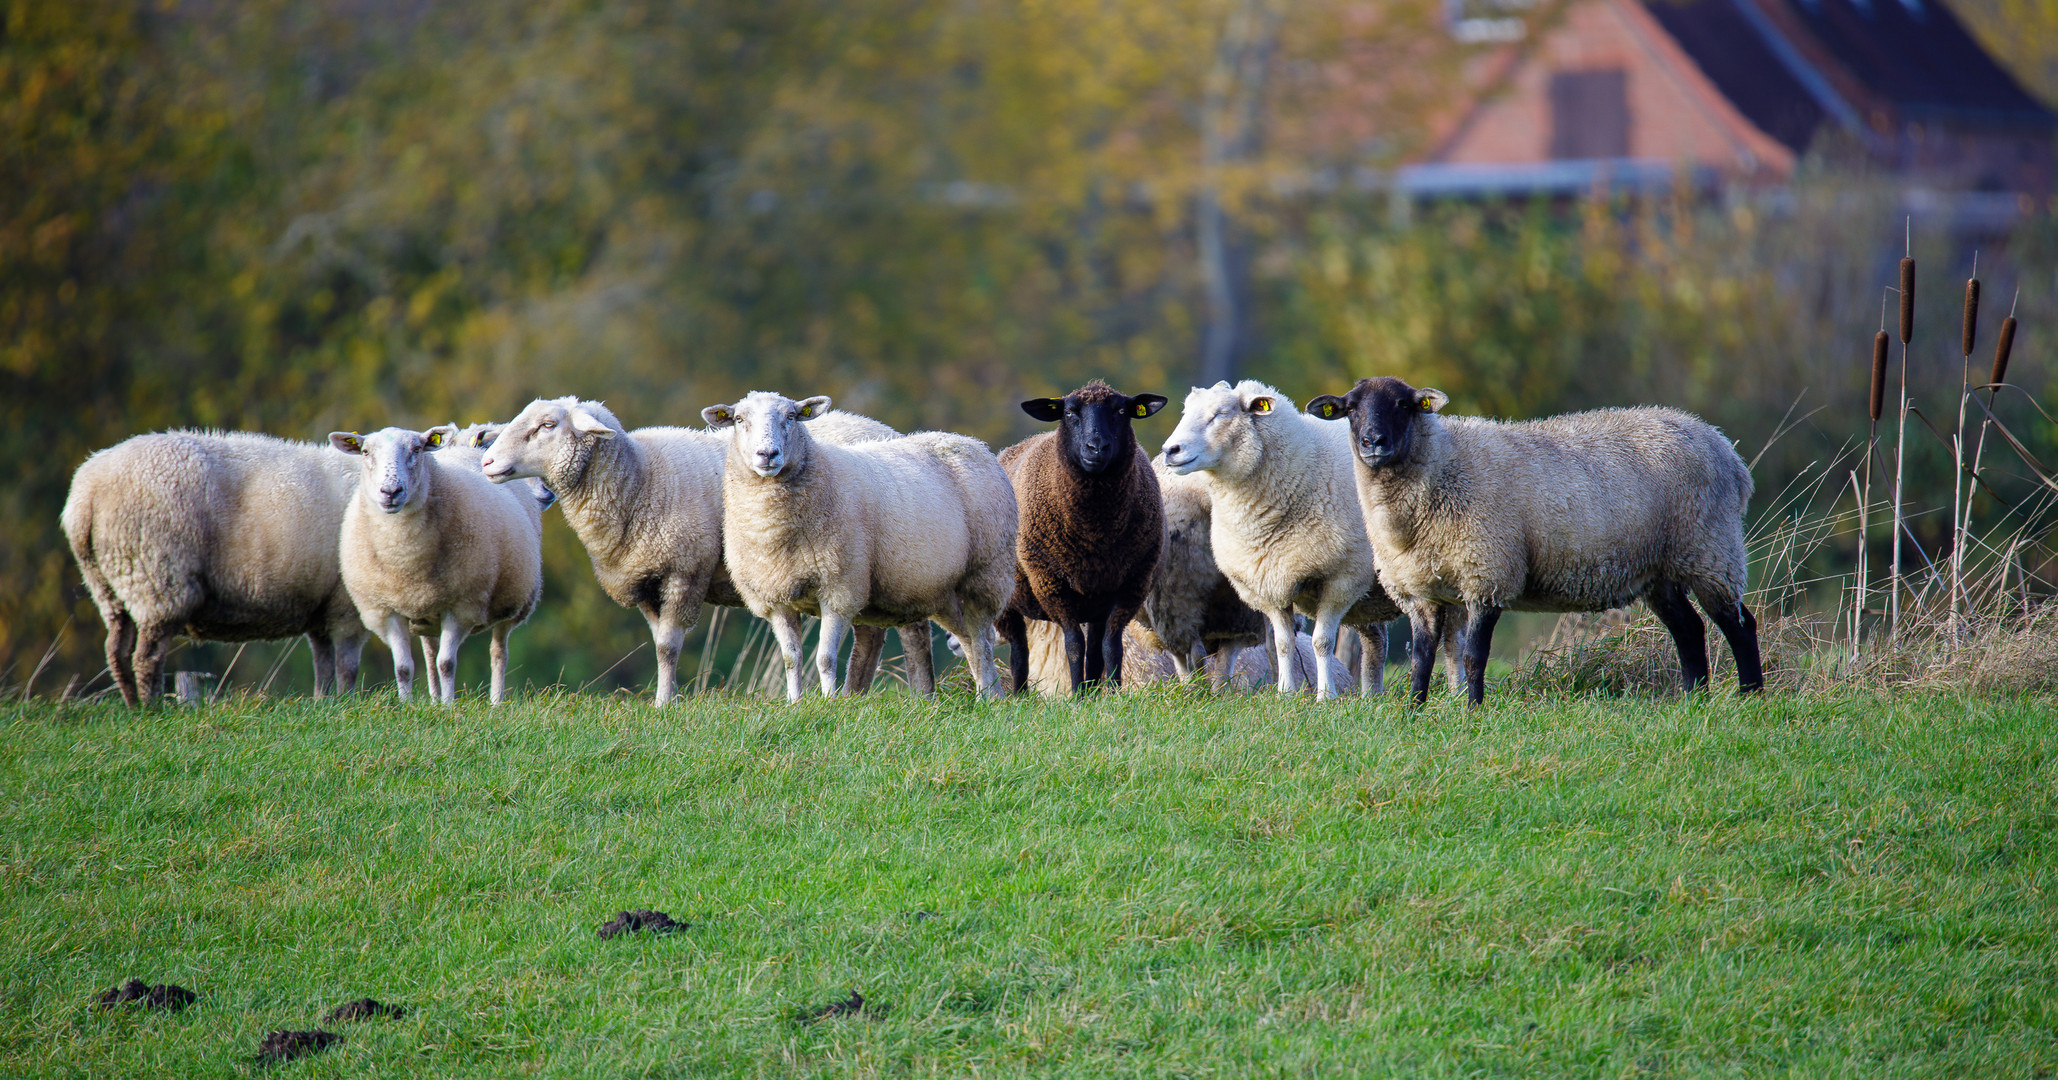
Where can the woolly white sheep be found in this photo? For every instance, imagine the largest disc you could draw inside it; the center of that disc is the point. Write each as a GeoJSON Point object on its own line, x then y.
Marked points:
{"type": "Point", "coordinates": [1582, 512]}
{"type": "Point", "coordinates": [647, 505]}
{"type": "Point", "coordinates": [884, 533]}
{"type": "Point", "coordinates": [429, 546]}
{"type": "Point", "coordinates": [1286, 529]}
{"type": "Point", "coordinates": [1192, 611]}
{"type": "Point", "coordinates": [218, 536]}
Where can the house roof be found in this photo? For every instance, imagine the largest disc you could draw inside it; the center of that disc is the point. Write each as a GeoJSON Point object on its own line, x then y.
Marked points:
{"type": "Point", "coordinates": [1791, 64]}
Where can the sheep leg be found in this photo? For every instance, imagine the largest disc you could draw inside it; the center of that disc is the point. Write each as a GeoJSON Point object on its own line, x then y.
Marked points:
{"type": "Point", "coordinates": [914, 642]}
{"type": "Point", "coordinates": [1454, 654]}
{"type": "Point", "coordinates": [1740, 628]}
{"type": "Point", "coordinates": [1182, 660]}
{"type": "Point", "coordinates": [867, 655]}
{"type": "Point", "coordinates": [834, 626]}
{"type": "Point", "coordinates": [431, 674]}
{"type": "Point", "coordinates": [668, 634]}
{"type": "Point", "coordinates": [454, 633]}
{"type": "Point", "coordinates": [152, 643]}
{"type": "Point", "coordinates": [499, 657]}
{"type": "Point", "coordinates": [1016, 629]}
{"type": "Point", "coordinates": [1425, 623]}
{"type": "Point", "coordinates": [1283, 638]}
{"type": "Point", "coordinates": [401, 644]}
{"type": "Point", "coordinates": [1075, 654]}
{"type": "Point", "coordinates": [1326, 624]}
{"type": "Point", "coordinates": [324, 650]}
{"type": "Point", "coordinates": [349, 652]}
{"type": "Point", "coordinates": [1219, 665]}
{"type": "Point", "coordinates": [1372, 660]}
{"type": "Point", "coordinates": [1689, 635]}
{"type": "Point", "coordinates": [1480, 618]}
{"type": "Point", "coordinates": [792, 633]}
{"type": "Point", "coordinates": [978, 650]}
{"type": "Point", "coordinates": [1112, 646]}
{"type": "Point", "coordinates": [121, 648]}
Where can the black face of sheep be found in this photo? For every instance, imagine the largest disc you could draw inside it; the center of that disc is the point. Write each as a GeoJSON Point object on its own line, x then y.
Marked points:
{"type": "Point", "coordinates": [1383, 412]}
{"type": "Point", "coordinates": [1095, 423]}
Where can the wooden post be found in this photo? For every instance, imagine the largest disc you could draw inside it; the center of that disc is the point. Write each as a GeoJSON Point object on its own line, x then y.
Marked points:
{"type": "Point", "coordinates": [189, 686]}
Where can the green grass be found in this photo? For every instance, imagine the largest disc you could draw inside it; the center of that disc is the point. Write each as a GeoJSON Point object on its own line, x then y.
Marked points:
{"type": "Point", "coordinates": [1152, 885]}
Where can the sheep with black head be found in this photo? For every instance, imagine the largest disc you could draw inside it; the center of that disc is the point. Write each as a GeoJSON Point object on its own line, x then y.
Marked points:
{"type": "Point", "coordinates": [1582, 512]}
{"type": "Point", "coordinates": [1092, 528]}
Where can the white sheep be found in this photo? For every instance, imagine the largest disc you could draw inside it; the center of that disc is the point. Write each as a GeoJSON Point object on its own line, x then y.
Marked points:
{"type": "Point", "coordinates": [429, 546]}
{"type": "Point", "coordinates": [1583, 512]}
{"type": "Point", "coordinates": [647, 505]}
{"type": "Point", "coordinates": [218, 536]}
{"type": "Point", "coordinates": [885, 533]}
{"type": "Point", "coordinates": [1285, 528]}
{"type": "Point", "coordinates": [1192, 610]}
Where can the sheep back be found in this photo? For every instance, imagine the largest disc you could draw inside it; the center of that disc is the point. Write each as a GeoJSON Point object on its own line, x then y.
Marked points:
{"type": "Point", "coordinates": [228, 536]}
{"type": "Point", "coordinates": [1581, 512]}
{"type": "Point", "coordinates": [1090, 542]}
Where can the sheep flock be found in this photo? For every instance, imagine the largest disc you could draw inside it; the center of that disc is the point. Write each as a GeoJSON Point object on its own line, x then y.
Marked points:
{"type": "Point", "coordinates": [1237, 555]}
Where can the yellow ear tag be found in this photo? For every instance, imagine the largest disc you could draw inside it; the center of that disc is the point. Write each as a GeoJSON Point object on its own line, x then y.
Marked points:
{"type": "Point", "coordinates": [1142, 411]}
{"type": "Point", "coordinates": [1262, 405]}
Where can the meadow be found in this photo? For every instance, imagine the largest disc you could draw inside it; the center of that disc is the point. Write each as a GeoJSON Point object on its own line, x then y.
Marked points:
{"type": "Point", "coordinates": [1156, 883]}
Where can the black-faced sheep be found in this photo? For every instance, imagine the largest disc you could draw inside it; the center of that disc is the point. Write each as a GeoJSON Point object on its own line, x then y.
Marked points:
{"type": "Point", "coordinates": [1092, 528]}
{"type": "Point", "coordinates": [1582, 512]}
{"type": "Point", "coordinates": [218, 536]}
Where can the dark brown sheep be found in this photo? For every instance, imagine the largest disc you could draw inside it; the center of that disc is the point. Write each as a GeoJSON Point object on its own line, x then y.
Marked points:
{"type": "Point", "coordinates": [1093, 529]}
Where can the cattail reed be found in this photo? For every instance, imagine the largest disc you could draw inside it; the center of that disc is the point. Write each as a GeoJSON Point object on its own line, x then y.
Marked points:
{"type": "Point", "coordinates": [1879, 372]}
{"type": "Point", "coordinates": [2001, 348]}
{"type": "Point", "coordinates": [1971, 316]}
{"type": "Point", "coordinates": [1907, 300]}
{"type": "Point", "coordinates": [1901, 441]}
{"type": "Point", "coordinates": [1961, 499]}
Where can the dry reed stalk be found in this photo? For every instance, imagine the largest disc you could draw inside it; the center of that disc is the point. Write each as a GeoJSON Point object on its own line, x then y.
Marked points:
{"type": "Point", "coordinates": [1901, 441]}
{"type": "Point", "coordinates": [1874, 405]}
{"type": "Point", "coordinates": [1960, 512]}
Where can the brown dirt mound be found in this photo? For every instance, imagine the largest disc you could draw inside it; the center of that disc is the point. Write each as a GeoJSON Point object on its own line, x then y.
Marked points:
{"type": "Point", "coordinates": [161, 996]}
{"type": "Point", "coordinates": [363, 1009]}
{"type": "Point", "coordinates": [641, 921]}
{"type": "Point", "coordinates": [282, 1045]}
{"type": "Point", "coordinates": [854, 1005]}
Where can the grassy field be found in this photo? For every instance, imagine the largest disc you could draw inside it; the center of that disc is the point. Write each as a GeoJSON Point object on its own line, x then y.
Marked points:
{"type": "Point", "coordinates": [1157, 884]}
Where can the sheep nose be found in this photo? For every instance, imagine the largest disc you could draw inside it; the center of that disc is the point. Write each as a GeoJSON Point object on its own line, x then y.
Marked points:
{"type": "Point", "coordinates": [1173, 450]}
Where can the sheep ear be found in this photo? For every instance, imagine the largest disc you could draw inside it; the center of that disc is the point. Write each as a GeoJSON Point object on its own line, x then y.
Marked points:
{"type": "Point", "coordinates": [349, 442]}
{"type": "Point", "coordinates": [440, 436]}
{"type": "Point", "coordinates": [1260, 405]}
{"type": "Point", "coordinates": [1328, 407]}
{"type": "Point", "coordinates": [586, 423]}
{"type": "Point", "coordinates": [1223, 385]}
{"type": "Point", "coordinates": [484, 437]}
{"type": "Point", "coordinates": [814, 407]}
{"type": "Point", "coordinates": [1046, 409]}
{"type": "Point", "coordinates": [718, 416]}
{"type": "Point", "coordinates": [1431, 400]}
{"type": "Point", "coordinates": [1143, 405]}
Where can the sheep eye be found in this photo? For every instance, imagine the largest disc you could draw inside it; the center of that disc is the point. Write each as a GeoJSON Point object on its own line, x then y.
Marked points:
{"type": "Point", "coordinates": [547, 424]}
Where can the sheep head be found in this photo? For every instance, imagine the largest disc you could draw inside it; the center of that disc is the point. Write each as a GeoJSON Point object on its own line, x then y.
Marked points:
{"type": "Point", "coordinates": [1095, 424]}
{"type": "Point", "coordinates": [1218, 428]}
{"type": "Point", "coordinates": [396, 463]}
{"type": "Point", "coordinates": [550, 436]}
{"type": "Point", "coordinates": [764, 429]}
{"type": "Point", "coordinates": [1385, 414]}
